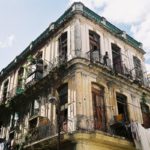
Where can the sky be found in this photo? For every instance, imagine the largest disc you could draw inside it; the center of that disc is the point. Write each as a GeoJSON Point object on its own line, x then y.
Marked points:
{"type": "Point", "coordinates": [21, 21]}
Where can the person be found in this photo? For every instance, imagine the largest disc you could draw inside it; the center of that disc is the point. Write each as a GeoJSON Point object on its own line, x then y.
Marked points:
{"type": "Point", "coordinates": [105, 58]}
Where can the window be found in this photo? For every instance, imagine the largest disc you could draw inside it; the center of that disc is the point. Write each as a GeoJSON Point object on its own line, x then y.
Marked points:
{"type": "Point", "coordinates": [5, 90]}
{"type": "Point", "coordinates": [63, 97]}
{"type": "Point", "coordinates": [146, 115]}
{"type": "Point", "coordinates": [63, 48]}
{"type": "Point", "coordinates": [98, 107]}
{"type": "Point", "coordinates": [35, 107]}
{"type": "Point", "coordinates": [138, 68]}
{"type": "Point", "coordinates": [94, 41]}
{"type": "Point", "coordinates": [122, 108]}
{"type": "Point", "coordinates": [20, 77]}
{"type": "Point", "coordinates": [116, 58]}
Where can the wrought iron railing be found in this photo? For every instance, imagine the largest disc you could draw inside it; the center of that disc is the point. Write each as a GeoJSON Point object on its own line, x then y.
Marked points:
{"type": "Point", "coordinates": [38, 133]}
{"type": "Point", "coordinates": [82, 123]}
{"type": "Point", "coordinates": [93, 56]}
{"type": "Point", "coordinates": [97, 58]}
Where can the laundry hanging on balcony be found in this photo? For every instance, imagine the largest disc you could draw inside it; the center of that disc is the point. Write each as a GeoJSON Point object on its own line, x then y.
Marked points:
{"type": "Point", "coordinates": [141, 136]}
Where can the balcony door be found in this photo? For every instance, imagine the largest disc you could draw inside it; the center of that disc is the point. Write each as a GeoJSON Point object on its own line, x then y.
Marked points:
{"type": "Point", "coordinates": [116, 57]}
{"type": "Point", "coordinates": [98, 107]}
{"type": "Point", "coordinates": [63, 48]}
{"type": "Point", "coordinates": [94, 41]}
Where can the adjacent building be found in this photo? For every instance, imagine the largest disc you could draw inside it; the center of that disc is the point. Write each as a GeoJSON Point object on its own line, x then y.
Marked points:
{"type": "Point", "coordinates": [77, 86]}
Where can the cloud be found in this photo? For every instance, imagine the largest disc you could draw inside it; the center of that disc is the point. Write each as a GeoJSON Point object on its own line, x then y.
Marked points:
{"type": "Point", "coordinates": [8, 42]}
{"type": "Point", "coordinates": [134, 13]}
{"type": "Point", "coordinates": [148, 68]}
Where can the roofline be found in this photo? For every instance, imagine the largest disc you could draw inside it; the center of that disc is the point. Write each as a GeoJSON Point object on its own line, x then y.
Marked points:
{"type": "Point", "coordinates": [75, 8]}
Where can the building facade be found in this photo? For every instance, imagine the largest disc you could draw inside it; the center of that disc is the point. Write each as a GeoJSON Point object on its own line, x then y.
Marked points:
{"type": "Point", "coordinates": [79, 85]}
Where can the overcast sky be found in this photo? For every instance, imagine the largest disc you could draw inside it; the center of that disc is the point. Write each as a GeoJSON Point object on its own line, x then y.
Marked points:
{"type": "Point", "coordinates": [21, 21]}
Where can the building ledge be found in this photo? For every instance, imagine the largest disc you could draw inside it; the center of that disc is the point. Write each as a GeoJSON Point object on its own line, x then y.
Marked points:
{"type": "Point", "coordinates": [87, 139]}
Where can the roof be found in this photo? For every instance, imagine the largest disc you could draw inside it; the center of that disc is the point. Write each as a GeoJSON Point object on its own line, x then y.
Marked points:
{"type": "Point", "coordinates": [77, 7]}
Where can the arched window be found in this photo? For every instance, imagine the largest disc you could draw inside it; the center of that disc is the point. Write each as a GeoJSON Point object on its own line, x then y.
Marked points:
{"type": "Point", "coordinates": [98, 107]}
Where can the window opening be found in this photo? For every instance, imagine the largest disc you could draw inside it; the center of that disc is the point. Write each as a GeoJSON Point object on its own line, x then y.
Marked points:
{"type": "Point", "coordinates": [5, 90]}
{"type": "Point", "coordinates": [138, 68]}
{"type": "Point", "coordinates": [94, 41]}
{"type": "Point", "coordinates": [63, 48]}
{"type": "Point", "coordinates": [122, 108]}
{"type": "Point", "coordinates": [98, 107]}
{"type": "Point", "coordinates": [146, 115]}
{"type": "Point", "coordinates": [116, 56]}
{"type": "Point", "coordinates": [63, 97]}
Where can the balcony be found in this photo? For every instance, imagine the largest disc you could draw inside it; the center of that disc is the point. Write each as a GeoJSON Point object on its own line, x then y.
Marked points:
{"type": "Point", "coordinates": [11, 94]}
{"type": "Point", "coordinates": [38, 133]}
{"type": "Point", "coordinates": [42, 133]}
{"type": "Point", "coordinates": [39, 128]}
{"type": "Point", "coordinates": [97, 58]}
{"type": "Point", "coordinates": [35, 72]}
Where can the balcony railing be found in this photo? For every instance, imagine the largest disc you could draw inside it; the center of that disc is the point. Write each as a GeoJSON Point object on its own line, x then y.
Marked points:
{"type": "Point", "coordinates": [38, 133]}
{"type": "Point", "coordinates": [118, 128]}
{"type": "Point", "coordinates": [11, 93]}
{"type": "Point", "coordinates": [44, 68]}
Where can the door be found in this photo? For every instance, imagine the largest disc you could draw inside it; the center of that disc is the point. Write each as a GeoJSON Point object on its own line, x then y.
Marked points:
{"type": "Point", "coordinates": [98, 107]}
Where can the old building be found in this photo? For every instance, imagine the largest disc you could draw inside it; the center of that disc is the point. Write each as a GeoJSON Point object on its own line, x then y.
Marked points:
{"type": "Point", "coordinates": [81, 83]}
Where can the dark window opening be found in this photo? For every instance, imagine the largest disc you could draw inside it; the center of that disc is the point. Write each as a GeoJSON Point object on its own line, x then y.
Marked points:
{"type": "Point", "coordinates": [138, 68]}
{"type": "Point", "coordinates": [121, 120]}
{"type": "Point", "coordinates": [5, 90]}
{"type": "Point", "coordinates": [33, 123]}
{"type": "Point", "coordinates": [94, 41]}
{"type": "Point", "coordinates": [146, 115]}
{"type": "Point", "coordinates": [20, 82]}
{"type": "Point", "coordinates": [63, 48]}
{"type": "Point", "coordinates": [20, 77]}
{"type": "Point", "coordinates": [122, 108]}
{"type": "Point", "coordinates": [63, 97]}
{"type": "Point", "coordinates": [98, 107]}
{"type": "Point", "coordinates": [116, 58]}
